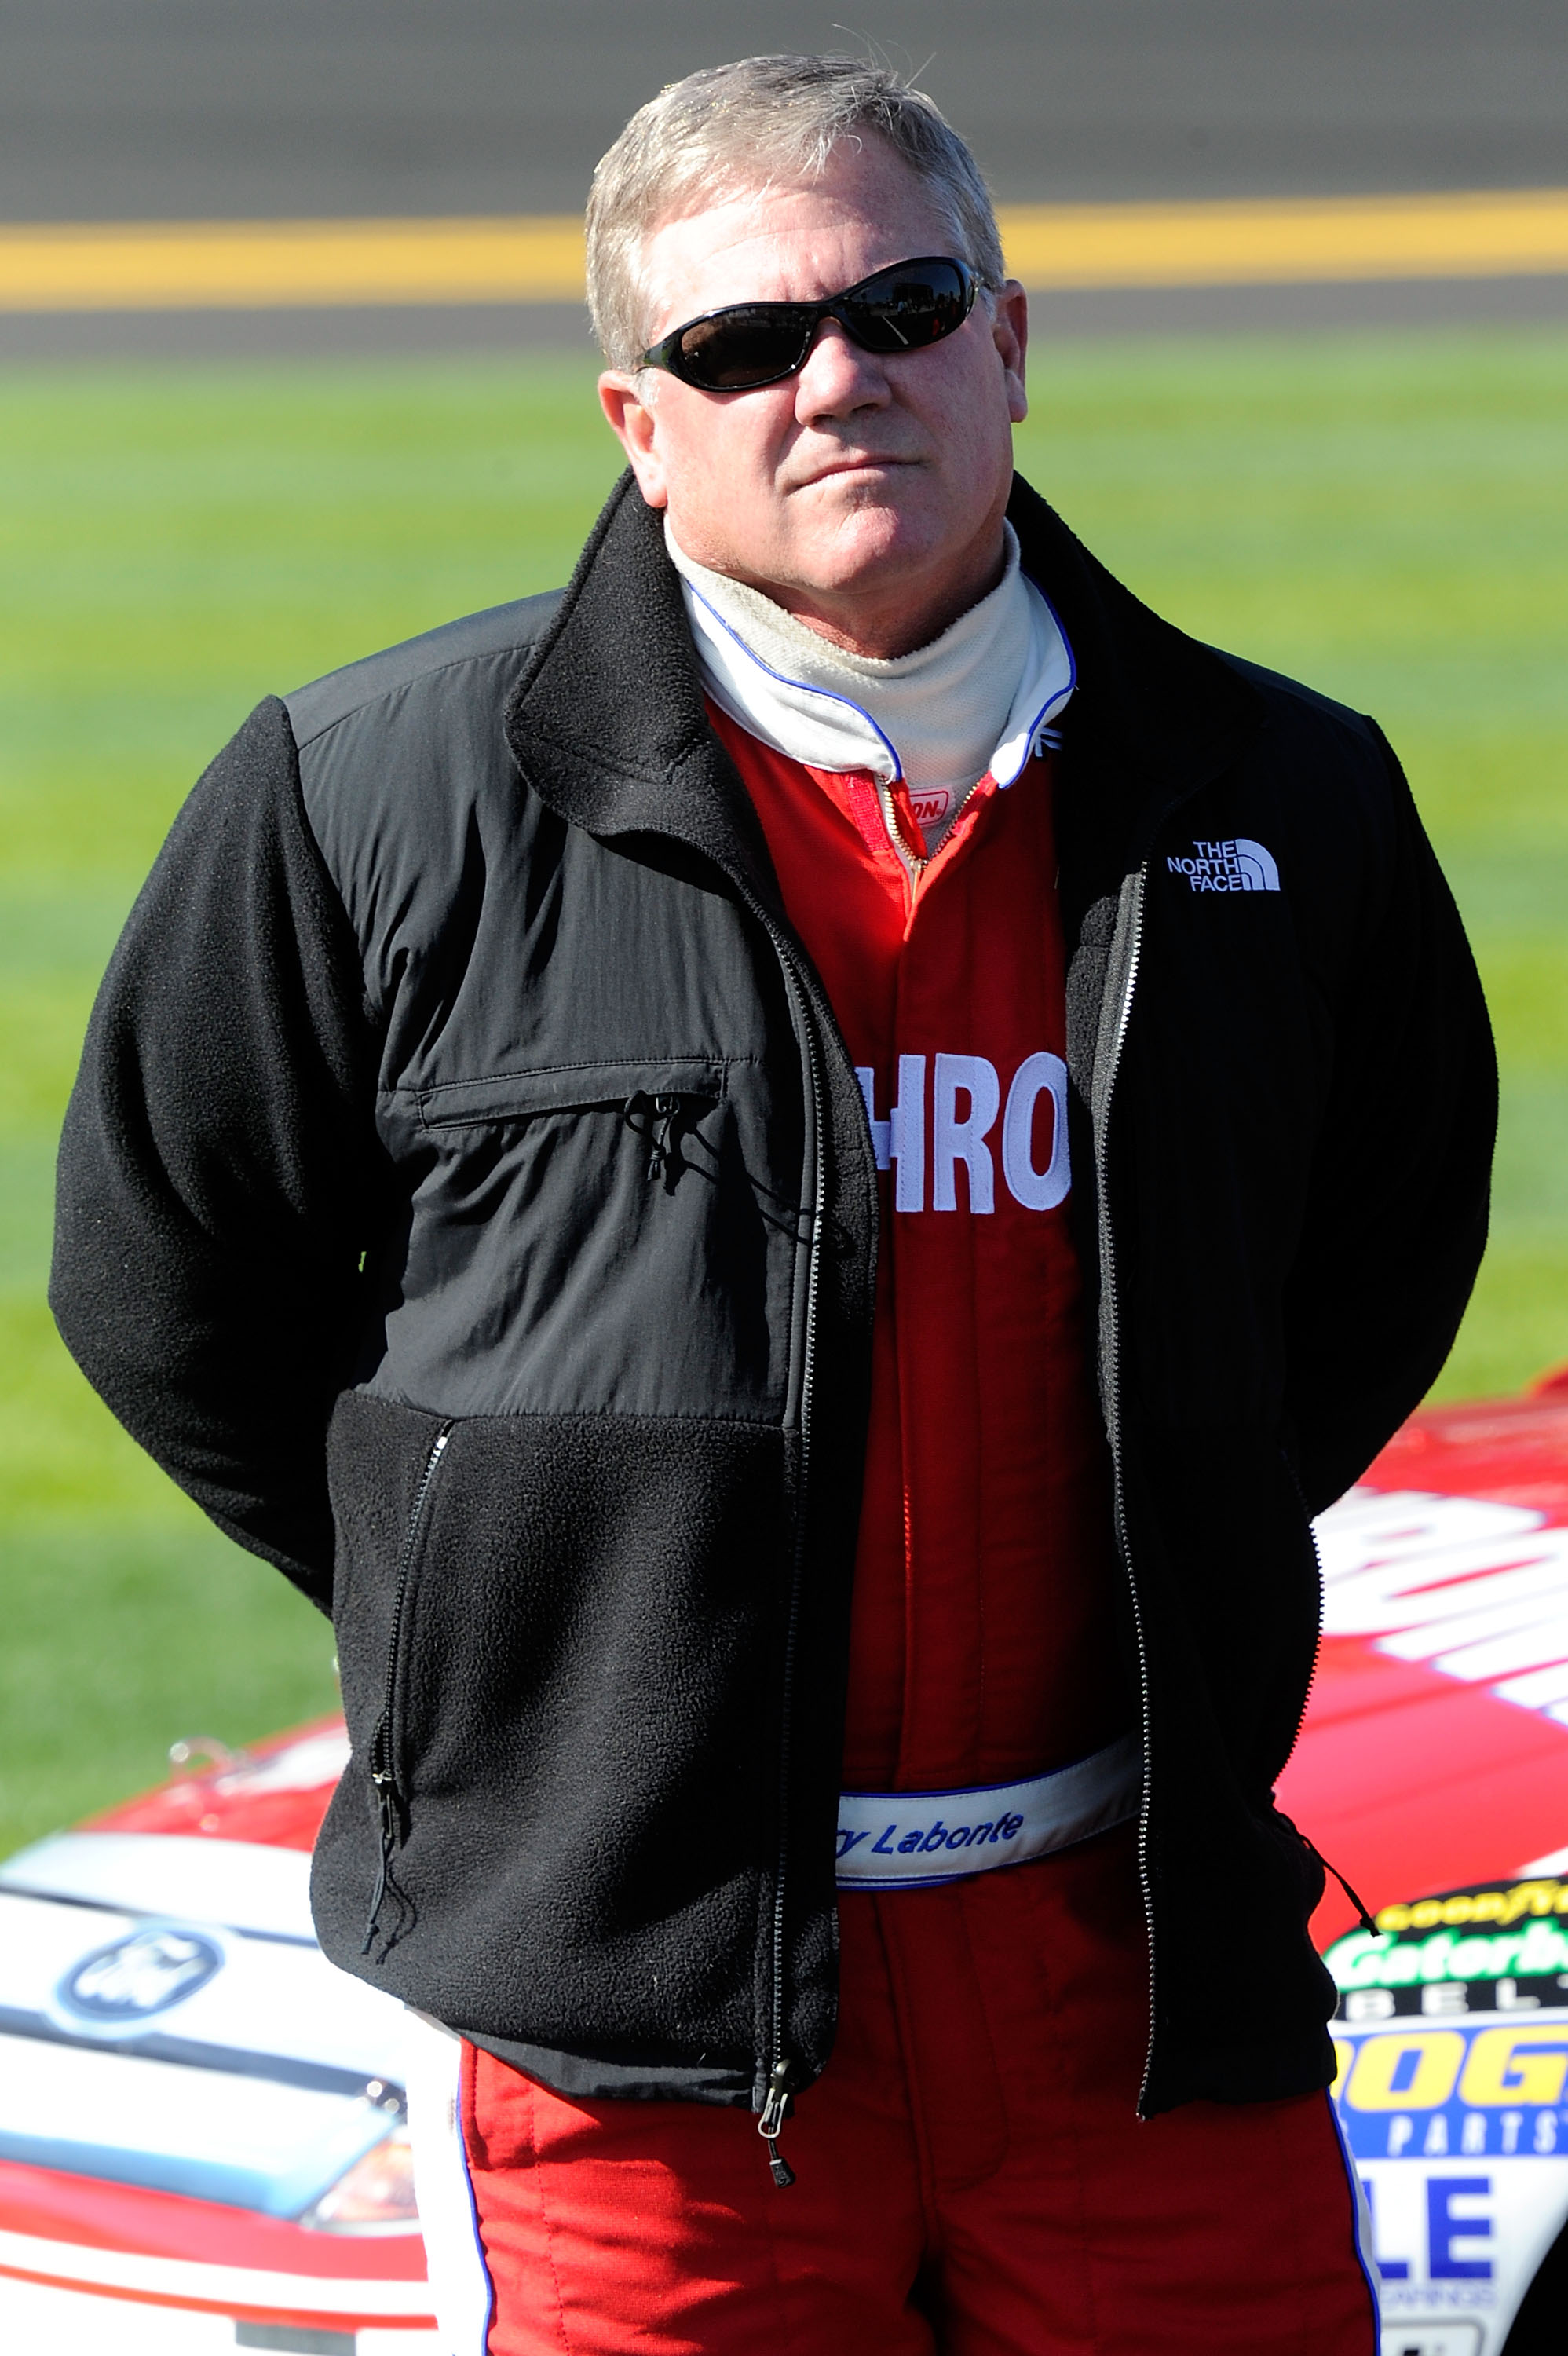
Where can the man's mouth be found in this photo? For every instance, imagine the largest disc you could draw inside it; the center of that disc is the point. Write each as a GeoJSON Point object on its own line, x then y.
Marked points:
{"type": "Point", "coordinates": [867, 463]}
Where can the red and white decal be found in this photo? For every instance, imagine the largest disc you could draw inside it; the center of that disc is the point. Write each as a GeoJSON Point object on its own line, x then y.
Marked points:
{"type": "Point", "coordinates": [1442, 1682]}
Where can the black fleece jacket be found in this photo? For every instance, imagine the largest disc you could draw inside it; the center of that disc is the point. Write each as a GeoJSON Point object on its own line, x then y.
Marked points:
{"type": "Point", "coordinates": [467, 1197]}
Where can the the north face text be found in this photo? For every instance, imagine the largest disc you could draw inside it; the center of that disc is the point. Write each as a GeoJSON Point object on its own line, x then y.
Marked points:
{"type": "Point", "coordinates": [930, 1131]}
{"type": "Point", "coordinates": [1239, 865]}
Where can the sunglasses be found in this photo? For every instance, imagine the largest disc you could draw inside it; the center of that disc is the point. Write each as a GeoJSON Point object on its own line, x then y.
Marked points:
{"type": "Point", "coordinates": [748, 345]}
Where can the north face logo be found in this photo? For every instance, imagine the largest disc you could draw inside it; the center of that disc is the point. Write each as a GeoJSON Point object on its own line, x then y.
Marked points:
{"type": "Point", "coordinates": [955, 1121]}
{"type": "Point", "coordinates": [1238, 866]}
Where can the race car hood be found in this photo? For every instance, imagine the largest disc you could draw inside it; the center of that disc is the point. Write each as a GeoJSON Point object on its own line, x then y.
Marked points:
{"type": "Point", "coordinates": [1434, 1752]}
{"type": "Point", "coordinates": [166, 2018]}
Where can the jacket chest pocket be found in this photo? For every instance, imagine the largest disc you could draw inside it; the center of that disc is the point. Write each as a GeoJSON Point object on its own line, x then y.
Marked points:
{"type": "Point", "coordinates": [692, 1084]}
{"type": "Point", "coordinates": [587, 1136]}
{"type": "Point", "coordinates": [593, 1237]}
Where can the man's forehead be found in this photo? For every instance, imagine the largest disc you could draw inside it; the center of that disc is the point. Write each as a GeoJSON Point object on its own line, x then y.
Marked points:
{"type": "Point", "coordinates": [788, 239]}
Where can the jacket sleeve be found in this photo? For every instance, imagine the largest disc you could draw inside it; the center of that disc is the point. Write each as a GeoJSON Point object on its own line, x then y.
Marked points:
{"type": "Point", "coordinates": [1397, 1221]}
{"type": "Point", "coordinates": [219, 1161]}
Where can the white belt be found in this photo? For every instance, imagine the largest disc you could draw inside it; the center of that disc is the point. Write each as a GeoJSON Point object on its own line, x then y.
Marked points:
{"type": "Point", "coordinates": [904, 1839]}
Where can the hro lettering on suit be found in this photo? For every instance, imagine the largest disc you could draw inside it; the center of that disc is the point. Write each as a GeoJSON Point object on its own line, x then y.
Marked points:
{"type": "Point", "coordinates": [934, 1129]}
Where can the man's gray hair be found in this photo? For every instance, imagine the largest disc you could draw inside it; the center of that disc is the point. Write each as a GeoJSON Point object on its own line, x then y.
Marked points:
{"type": "Point", "coordinates": [744, 126]}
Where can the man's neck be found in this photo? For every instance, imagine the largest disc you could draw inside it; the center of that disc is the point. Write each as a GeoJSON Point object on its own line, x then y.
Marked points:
{"type": "Point", "coordinates": [974, 697]}
{"type": "Point", "coordinates": [890, 622]}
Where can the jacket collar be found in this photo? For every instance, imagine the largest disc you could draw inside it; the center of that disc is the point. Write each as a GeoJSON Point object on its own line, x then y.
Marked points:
{"type": "Point", "coordinates": [607, 724]}
{"type": "Point", "coordinates": [608, 727]}
{"type": "Point", "coordinates": [1156, 715]}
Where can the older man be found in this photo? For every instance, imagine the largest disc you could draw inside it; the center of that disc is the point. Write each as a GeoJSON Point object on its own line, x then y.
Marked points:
{"type": "Point", "coordinates": [713, 1163]}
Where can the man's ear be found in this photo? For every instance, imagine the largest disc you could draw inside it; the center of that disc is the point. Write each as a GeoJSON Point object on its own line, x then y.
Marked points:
{"type": "Point", "coordinates": [627, 401]}
{"type": "Point", "coordinates": [1010, 328]}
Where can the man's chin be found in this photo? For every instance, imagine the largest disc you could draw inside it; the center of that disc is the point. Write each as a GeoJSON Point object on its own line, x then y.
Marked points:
{"type": "Point", "coordinates": [859, 550]}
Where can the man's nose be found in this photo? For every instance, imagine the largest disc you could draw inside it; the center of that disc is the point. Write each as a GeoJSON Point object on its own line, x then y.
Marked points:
{"type": "Point", "coordinates": [838, 378]}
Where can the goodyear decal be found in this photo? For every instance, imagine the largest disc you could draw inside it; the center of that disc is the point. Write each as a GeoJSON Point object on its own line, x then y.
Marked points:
{"type": "Point", "coordinates": [1490, 2088]}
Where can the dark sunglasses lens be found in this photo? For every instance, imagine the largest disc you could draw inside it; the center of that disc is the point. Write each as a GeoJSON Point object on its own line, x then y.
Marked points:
{"type": "Point", "coordinates": [903, 308]}
{"type": "Point", "coordinates": [740, 347]}
{"type": "Point", "coordinates": [733, 350]}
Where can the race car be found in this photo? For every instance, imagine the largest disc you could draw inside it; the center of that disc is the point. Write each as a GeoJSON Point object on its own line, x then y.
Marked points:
{"type": "Point", "coordinates": [203, 2133]}
{"type": "Point", "coordinates": [203, 2129]}
{"type": "Point", "coordinates": [1432, 1772]}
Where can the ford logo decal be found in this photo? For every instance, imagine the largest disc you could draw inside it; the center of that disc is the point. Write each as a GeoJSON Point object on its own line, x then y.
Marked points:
{"type": "Point", "coordinates": [154, 1968]}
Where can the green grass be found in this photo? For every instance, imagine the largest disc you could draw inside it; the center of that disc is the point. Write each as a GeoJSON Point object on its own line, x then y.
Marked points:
{"type": "Point", "coordinates": [1387, 517]}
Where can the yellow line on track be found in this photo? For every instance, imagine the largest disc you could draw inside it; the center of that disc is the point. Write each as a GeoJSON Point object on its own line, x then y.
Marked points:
{"type": "Point", "coordinates": [1482, 234]}
{"type": "Point", "coordinates": [267, 265]}
{"type": "Point", "coordinates": [260, 265]}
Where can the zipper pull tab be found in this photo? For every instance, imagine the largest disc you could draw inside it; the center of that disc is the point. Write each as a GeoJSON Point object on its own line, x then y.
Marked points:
{"type": "Point", "coordinates": [668, 1112]}
{"type": "Point", "coordinates": [769, 2125]}
{"type": "Point", "coordinates": [387, 1807]}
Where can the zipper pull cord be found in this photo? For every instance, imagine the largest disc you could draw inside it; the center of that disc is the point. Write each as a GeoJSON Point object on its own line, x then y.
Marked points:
{"type": "Point", "coordinates": [771, 2124]}
{"type": "Point", "coordinates": [1356, 1899]}
{"type": "Point", "coordinates": [660, 1131]}
{"type": "Point", "coordinates": [386, 1802]}
{"type": "Point", "coordinates": [382, 1757]}
{"type": "Point", "coordinates": [667, 1109]}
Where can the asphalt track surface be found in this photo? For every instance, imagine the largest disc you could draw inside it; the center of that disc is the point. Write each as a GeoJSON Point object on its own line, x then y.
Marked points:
{"type": "Point", "coordinates": [242, 108]}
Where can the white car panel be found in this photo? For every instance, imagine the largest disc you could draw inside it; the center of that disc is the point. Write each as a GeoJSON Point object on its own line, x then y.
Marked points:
{"type": "Point", "coordinates": [1458, 2130]}
{"type": "Point", "coordinates": [244, 1884]}
{"type": "Point", "coordinates": [36, 2319]}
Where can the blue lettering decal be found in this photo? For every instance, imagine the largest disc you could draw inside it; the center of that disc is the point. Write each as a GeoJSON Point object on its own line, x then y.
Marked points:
{"type": "Point", "coordinates": [881, 1848]}
{"type": "Point", "coordinates": [847, 1840]}
{"type": "Point", "coordinates": [1443, 2229]}
{"type": "Point", "coordinates": [936, 1838]}
{"type": "Point", "coordinates": [1404, 2069]}
{"type": "Point", "coordinates": [981, 1833]}
{"type": "Point", "coordinates": [1008, 1828]}
{"type": "Point", "coordinates": [1391, 2269]}
{"type": "Point", "coordinates": [912, 1841]}
{"type": "Point", "coordinates": [961, 1839]}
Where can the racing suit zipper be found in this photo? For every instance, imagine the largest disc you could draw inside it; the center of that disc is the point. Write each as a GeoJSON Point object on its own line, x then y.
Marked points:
{"type": "Point", "coordinates": [383, 1742]}
{"type": "Point", "coordinates": [913, 864]}
{"type": "Point", "coordinates": [1112, 1317]}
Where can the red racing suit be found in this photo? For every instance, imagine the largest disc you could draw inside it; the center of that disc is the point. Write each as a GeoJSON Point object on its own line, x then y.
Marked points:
{"type": "Point", "coordinates": [984, 1645]}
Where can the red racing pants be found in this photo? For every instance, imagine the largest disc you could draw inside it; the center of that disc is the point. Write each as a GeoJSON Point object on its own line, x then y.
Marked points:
{"type": "Point", "coordinates": [971, 2175]}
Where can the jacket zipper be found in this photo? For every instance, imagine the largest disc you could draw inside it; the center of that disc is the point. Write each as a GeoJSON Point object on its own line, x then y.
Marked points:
{"type": "Point", "coordinates": [1317, 1647]}
{"type": "Point", "coordinates": [383, 1753]}
{"type": "Point", "coordinates": [770, 2124]}
{"type": "Point", "coordinates": [1114, 1422]}
{"type": "Point", "coordinates": [1357, 1901]}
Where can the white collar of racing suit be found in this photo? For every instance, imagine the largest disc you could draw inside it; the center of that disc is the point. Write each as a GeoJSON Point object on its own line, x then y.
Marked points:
{"type": "Point", "coordinates": [979, 699]}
